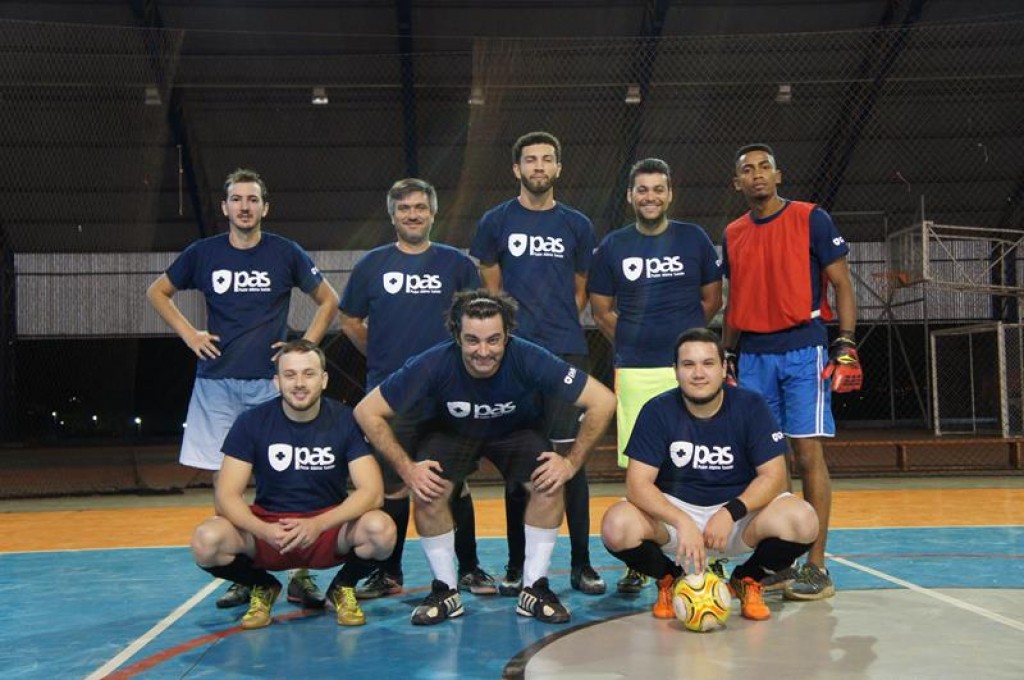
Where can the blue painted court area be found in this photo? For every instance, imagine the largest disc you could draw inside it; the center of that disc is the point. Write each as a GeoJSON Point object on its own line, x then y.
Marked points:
{"type": "Point", "coordinates": [70, 614]}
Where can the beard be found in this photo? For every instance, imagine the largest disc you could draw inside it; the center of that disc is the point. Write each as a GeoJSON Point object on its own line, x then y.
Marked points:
{"type": "Point", "coordinates": [701, 401]}
{"type": "Point", "coordinates": [537, 186]}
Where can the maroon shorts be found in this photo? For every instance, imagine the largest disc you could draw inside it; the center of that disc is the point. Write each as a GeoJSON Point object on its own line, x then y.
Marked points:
{"type": "Point", "coordinates": [320, 555]}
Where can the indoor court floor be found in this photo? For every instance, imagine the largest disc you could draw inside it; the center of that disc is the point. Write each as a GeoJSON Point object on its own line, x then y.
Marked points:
{"type": "Point", "coordinates": [930, 576]}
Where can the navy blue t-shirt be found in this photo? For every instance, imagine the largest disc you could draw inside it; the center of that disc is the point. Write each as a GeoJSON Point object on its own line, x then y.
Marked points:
{"type": "Point", "coordinates": [706, 462]}
{"type": "Point", "coordinates": [299, 467]}
{"type": "Point", "coordinates": [484, 408]}
{"type": "Point", "coordinates": [247, 296]}
{"type": "Point", "coordinates": [404, 298]}
{"type": "Point", "coordinates": [656, 282]}
{"type": "Point", "coordinates": [827, 246]}
{"type": "Point", "coordinates": [539, 252]}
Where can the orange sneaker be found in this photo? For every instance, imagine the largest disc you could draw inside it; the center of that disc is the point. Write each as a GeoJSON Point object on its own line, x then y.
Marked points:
{"type": "Point", "coordinates": [662, 608]}
{"type": "Point", "coordinates": [750, 594]}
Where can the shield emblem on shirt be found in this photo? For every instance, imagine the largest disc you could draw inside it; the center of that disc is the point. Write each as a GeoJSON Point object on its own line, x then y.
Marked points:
{"type": "Point", "coordinates": [517, 244]}
{"type": "Point", "coordinates": [681, 453]}
{"type": "Point", "coordinates": [221, 280]}
{"type": "Point", "coordinates": [280, 456]}
{"type": "Point", "coordinates": [633, 267]}
{"type": "Point", "coordinates": [393, 281]}
{"type": "Point", "coordinates": [458, 409]}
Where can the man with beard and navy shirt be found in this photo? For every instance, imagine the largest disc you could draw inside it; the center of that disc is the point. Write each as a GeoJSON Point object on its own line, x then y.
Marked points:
{"type": "Point", "coordinates": [302, 449]}
{"type": "Point", "coordinates": [650, 281]}
{"type": "Point", "coordinates": [246, 276]}
{"type": "Point", "coordinates": [484, 388]}
{"type": "Point", "coordinates": [392, 308]}
{"type": "Point", "coordinates": [707, 476]}
{"type": "Point", "coordinates": [538, 250]}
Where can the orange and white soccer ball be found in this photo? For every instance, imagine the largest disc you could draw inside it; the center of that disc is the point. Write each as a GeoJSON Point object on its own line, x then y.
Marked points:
{"type": "Point", "coordinates": [701, 601]}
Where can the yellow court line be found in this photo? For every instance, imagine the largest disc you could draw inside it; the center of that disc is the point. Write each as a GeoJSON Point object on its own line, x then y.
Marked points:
{"type": "Point", "coordinates": [150, 527]}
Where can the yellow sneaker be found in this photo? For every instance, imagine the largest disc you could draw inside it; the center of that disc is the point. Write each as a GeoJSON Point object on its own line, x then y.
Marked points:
{"type": "Point", "coordinates": [343, 599]}
{"type": "Point", "coordinates": [662, 608]}
{"type": "Point", "coordinates": [261, 599]}
{"type": "Point", "coordinates": [750, 594]}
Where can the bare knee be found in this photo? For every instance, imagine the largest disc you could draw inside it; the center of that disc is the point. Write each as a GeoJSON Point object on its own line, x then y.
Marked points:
{"type": "Point", "coordinates": [380, 533]}
{"type": "Point", "coordinates": [207, 540]}
{"type": "Point", "coordinates": [619, 529]}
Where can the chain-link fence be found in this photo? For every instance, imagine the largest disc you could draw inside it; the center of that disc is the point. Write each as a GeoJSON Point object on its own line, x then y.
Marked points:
{"type": "Point", "coordinates": [117, 140]}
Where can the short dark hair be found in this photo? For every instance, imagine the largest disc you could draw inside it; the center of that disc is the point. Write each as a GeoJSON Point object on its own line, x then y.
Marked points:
{"type": "Point", "coordinates": [481, 304]}
{"type": "Point", "coordinates": [240, 175]}
{"type": "Point", "coordinates": [409, 185]}
{"type": "Point", "coordinates": [650, 166]}
{"type": "Point", "coordinates": [302, 345]}
{"type": "Point", "coordinates": [531, 138]}
{"type": "Point", "coordinates": [699, 335]}
{"type": "Point", "coordinates": [758, 146]}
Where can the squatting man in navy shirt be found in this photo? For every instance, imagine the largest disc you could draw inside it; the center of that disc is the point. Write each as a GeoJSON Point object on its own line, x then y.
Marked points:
{"type": "Point", "coordinates": [707, 476]}
{"type": "Point", "coordinates": [485, 391]}
{"type": "Point", "coordinates": [302, 449]}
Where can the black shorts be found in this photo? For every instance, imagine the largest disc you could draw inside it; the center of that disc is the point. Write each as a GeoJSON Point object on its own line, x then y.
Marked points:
{"type": "Point", "coordinates": [407, 428]}
{"type": "Point", "coordinates": [562, 418]}
{"type": "Point", "coordinates": [515, 454]}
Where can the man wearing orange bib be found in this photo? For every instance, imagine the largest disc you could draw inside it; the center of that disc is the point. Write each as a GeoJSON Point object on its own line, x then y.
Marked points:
{"type": "Point", "coordinates": [780, 258]}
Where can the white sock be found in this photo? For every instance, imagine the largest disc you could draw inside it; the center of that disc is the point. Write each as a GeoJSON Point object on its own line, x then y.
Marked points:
{"type": "Point", "coordinates": [540, 544]}
{"type": "Point", "coordinates": [440, 552]}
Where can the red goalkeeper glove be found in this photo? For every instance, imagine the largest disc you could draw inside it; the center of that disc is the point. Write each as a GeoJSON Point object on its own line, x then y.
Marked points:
{"type": "Point", "coordinates": [843, 367]}
{"type": "Point", "coordinates": [731, 368]}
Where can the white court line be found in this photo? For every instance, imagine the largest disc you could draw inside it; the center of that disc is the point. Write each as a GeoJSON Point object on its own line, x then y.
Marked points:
{"type": "Point", "coordinates": [151, 634]}
{"type": "Point", "coordinates": [980, 611]}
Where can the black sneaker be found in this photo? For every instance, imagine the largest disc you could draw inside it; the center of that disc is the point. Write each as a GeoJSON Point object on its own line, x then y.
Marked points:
{"type": "Point", "coordinates": [539, 602]}
{"type": "Point", "coordinates": [632, 583]}
{"type": "Point", "coordinates": [587, 581]}
{"type": "Point", "coordinates": [379, 584]}
{"type": "Point", "coordinates": [302, 591]}
{"type": "Point", "coordinates": [717, 567]}
{"type": "Point", "coordinates": [442, 603]}
{"type": "Point", "coordinates": [236, 596]}
{"type": "Point", "coordinates": [512, 583]}
{"type": "Point", "coordinates": [478, 582]}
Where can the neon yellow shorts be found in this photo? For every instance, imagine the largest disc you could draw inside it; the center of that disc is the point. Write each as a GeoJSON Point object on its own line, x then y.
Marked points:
{"type": "Point", "coordinates": [634, 386]}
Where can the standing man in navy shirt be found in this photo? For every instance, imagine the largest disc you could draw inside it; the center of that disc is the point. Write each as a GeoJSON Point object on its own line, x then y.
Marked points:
{"type": "Point", "coordinates": [650, 281]}
{"type": "Point", "coordinates": [707, 476]}
{"type": "Point", "coordinates": [246, 277]}
{"type": "Point", "coordinates": [539, 251]}
{"type": "Point", "coordinates": [302, 449]}
{"type": "Point", "coordinates": [484, 389]}
{"type": "Point", "coordinates": [392, 308]}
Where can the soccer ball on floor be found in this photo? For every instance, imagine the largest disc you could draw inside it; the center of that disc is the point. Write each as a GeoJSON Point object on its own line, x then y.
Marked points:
{"type": "Point", "coordinates": [701, 601]}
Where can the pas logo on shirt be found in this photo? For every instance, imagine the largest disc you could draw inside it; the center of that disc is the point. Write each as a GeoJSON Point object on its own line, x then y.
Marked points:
{"type": "Point", "coordinates": [462, 409]}
{"type": "Point", "coordinates": [284, 456]}
{"type": "Point", "coordinates": [701, 457]}
{"type": "Point", "coordinates": [240, 282]}
{"type": "Point", "coordinates": [413, 284]}
{"type": "Point", "coordinates": [652, 267]}
{"type": "Point", "coordinates": [539, 246]}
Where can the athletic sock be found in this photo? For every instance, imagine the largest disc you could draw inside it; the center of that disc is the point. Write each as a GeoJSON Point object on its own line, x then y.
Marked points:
{"type": "Point", "coordinates": [771, 554]}
{"type": "Point", "coordinates": [398, 510]}
{"type": "Point", "coordinates": [464, 517]}
{"type": "Point", "coordinates": [577, 514]}
{"type": "Point", "coordinates": [540, 544]}
{"type": "Point", "coordinates": [440, 552]}
{"type": "Point", "coordinates": [648, 558]}
{"type": "Point", "coordinates": [515, 513]}
{"type": "Point", "coordinates": [354, 570]}
{"type": "Point", "coordinates": [241, 570]}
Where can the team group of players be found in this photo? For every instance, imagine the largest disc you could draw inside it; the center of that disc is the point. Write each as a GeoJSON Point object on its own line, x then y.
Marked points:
{"type": "Point", "coordinates": [489, 359]}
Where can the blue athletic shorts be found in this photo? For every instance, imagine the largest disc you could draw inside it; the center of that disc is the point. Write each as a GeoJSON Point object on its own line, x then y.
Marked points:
{"type": "Point", "coordinates": [215, 404]}
{"type": "Point", "coordinates": [791, 384]}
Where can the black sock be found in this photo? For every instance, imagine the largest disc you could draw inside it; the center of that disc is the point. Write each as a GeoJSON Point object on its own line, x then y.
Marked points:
{"type": "Point", "coordinates": [647, 558]}
{"type": "Point", "coordinates": [354, 570]}
{"type": "Point", "coordinates": [465, 529]}
{"type": "Point", "coordinates": [515, 523]}
{"type": "Point", "coordinates": [241, 571]}
{"type": "Point", "coordinates": [398, 510]}
{"type": "Point", "coordinates": [577, 514]}
{"type": "Point", "coordinates": [771, 554]}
